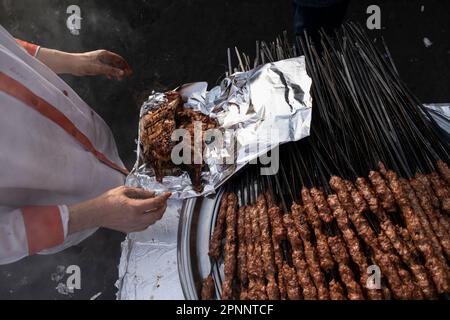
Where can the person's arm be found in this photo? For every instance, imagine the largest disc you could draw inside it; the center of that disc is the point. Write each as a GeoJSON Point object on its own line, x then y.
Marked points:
{"type": "Point", "coordinates": [100, 62]}
{"type": "Point", "coordinates": [123, 209]}
{"type": "Point", "coordinates": [29, 230]}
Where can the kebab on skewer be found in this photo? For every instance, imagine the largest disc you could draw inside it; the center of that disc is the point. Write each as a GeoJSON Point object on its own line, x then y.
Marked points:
{"type": "Point", "coordinates": [396, 219]}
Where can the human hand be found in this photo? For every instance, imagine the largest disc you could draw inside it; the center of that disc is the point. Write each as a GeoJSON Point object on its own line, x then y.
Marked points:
{"type": "Point", "coordinates": [101, 62]}
{"type": "Point", "coordinates": [123, 209]}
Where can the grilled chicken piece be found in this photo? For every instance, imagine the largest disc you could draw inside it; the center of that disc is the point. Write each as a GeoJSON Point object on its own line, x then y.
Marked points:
{"type": "Point", "coordinates": [188, 119]}
{"type": "Point", "coordinates": [157, 127]}
{"type": "Point", "coordinates": [156, 131]}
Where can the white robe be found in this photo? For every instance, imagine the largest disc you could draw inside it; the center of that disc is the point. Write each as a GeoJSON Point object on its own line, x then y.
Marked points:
{"type": "Point", "coordinates": [44, 168]}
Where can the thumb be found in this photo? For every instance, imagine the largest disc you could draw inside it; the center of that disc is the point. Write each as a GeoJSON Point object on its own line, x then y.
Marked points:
{"type": "Point", "coordinates": [152, 204]}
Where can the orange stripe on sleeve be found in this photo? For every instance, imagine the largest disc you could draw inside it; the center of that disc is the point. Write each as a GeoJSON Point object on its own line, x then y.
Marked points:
{"type": "Point", "coordinates": [31, 48]}
{"type": "Point", "coordinates": [22, 93]}
{"type": "Point", "coordinates": [44, 228]}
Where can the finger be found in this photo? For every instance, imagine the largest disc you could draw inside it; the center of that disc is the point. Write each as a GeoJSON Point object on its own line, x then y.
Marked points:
{"type": "Point", "coordinates": [113, 59]}
{"type": "Point", "coordinates": [99, 68]}
{"type": "Point", "coordinates": [149, 205]}
{"type": "Point", "coordinates": [165, 195]}
{"type": "Point", "coordinates": [119, 74]}
{"type": "Point", "coordinates": [140, 229]}
{"type": "Point", "coordinates": [136, 193]}
{"type": "Point", "coordinates": [152, 210]}
{"type": "Point", "coordinates": [116, 61]}
{"type": "Point", "coordinates": [115, 73]}
{"type": "Point", "coordinates": [151, 218]}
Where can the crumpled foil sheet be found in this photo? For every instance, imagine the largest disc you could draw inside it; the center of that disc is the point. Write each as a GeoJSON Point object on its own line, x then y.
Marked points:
{"type": "Point", "coordinates": [441, 114]}
{"type": "Point", "coordinates": [256, 111]}
{"type": "Point", "coordinates": [148, 267]}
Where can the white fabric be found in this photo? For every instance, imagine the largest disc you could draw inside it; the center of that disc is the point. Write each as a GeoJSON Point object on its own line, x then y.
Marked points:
{"type": "Point", "coordinates": [40, 164]}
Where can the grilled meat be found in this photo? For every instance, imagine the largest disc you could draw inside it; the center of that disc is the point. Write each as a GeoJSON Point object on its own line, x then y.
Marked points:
{"type": "Point", "coordinates": [156, 128]}
{"type": "Point", "coordinates": [230, 248]}
{"type": "Point", "coordinates": [156, 134]}
{"type": "Point", "coordinates": [208, 288]}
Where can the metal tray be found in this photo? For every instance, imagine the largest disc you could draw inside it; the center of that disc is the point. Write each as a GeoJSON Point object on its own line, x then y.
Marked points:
{"type": "Point", "coordinates": [197, 221]}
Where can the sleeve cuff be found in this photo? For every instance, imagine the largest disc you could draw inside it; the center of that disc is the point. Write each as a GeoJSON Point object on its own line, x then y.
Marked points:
{"type": "Point", "coordinates": [32, 49]}
{"type": "Point", "coordinates": [46, 227]}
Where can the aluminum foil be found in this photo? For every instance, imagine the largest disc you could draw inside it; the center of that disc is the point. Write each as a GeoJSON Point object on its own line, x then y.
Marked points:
{"type": "Point", "coordinates": [148, 265]}
{"type": "Point", "coordinates": [256, 111]}
{"type": "Point", "coordinates": [441, 114]}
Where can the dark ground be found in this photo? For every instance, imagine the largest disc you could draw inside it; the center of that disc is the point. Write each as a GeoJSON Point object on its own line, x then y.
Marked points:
{"type": "Point", "coordinates": [168, 43]}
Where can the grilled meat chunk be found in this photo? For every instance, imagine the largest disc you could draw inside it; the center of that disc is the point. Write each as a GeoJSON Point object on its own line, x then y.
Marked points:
{"type": "Point", "coordinates": [156, 128]}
